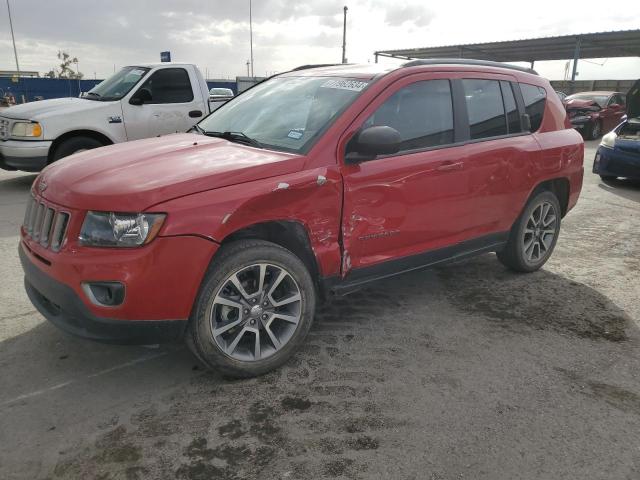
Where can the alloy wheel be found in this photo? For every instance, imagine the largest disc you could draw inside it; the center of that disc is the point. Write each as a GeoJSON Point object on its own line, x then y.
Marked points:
{"type": "Point", "coordinates": [255, 312]}
{"type": "Point", "coordinates": [539, 233]}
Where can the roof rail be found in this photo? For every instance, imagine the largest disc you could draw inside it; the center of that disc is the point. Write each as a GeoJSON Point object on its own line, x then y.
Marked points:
{"type": "Point", "coordinates": [317, 65]}
{"type": "Point", "coordinates": [467, 61]}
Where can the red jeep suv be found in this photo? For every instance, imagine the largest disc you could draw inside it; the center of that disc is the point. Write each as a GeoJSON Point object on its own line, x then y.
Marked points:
{"type": "Point", "coordinates": [315, 181]}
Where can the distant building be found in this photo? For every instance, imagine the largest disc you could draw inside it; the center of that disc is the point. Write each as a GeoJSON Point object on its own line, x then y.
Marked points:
{"type": "Point", "coordinates": [22, 73]}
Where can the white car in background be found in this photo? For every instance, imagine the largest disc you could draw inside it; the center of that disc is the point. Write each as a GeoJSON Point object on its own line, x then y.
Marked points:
{"type": "Point", "coordinates": [137, 102]}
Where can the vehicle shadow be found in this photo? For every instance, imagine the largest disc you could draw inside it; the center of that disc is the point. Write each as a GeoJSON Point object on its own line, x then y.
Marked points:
{"type": "Point", "coordinates": [403, 331]}
{"type": "Point", "coordinates": [622, 187]}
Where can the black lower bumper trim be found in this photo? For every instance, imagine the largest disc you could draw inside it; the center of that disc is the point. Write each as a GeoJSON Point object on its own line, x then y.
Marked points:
{"type": "Point", "coordinates": [26, 164]}
{"type": "Point", "coordinates": [60, 304]}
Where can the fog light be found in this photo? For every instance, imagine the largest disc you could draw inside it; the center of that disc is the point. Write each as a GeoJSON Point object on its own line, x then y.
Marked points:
{"type": "Point", "coordinates": [104, 294]}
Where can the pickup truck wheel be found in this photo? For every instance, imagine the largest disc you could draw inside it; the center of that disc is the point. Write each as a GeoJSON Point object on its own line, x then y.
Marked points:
{"type": "Point", "coordinates": [254, 309]}
{"type": "Point", "coordinates": [74, 145]}
{"type": "Point", "coordinates": [534, 235]}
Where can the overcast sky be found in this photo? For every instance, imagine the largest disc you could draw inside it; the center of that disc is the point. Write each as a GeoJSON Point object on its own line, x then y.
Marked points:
{"type": "Point", "coordinates": [214, 34]}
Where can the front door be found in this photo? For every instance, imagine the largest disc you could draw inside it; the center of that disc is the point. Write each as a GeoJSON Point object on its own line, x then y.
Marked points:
{"type": "Point", "coordinates": [169, 106]}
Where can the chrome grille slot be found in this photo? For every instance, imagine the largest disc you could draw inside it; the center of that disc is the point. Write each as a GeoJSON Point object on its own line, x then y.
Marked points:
{"type": "Point", "coordinates": [47, 224]}
{"type": "Point", "coordinates": [32, 217]}
{"type": "Point", "coordinates": [59, 230]}
{"type": "Point", "coordinates": [27, 212]}
{"type": "Point", "coordinates": [38, 222]}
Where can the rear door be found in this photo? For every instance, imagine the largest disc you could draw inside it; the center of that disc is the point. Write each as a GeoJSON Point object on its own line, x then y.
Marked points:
{"type": "Point", "coordinates": [173, 107]}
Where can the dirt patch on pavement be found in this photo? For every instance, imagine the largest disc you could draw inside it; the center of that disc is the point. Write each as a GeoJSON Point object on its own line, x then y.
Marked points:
{"type": "Point", "coordinates": [540, 300]}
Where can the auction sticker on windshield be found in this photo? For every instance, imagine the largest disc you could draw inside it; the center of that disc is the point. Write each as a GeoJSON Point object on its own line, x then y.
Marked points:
{"type": "Point", "coordinates": [354, 85]}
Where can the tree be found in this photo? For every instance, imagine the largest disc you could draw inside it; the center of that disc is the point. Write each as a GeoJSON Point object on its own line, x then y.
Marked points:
{"type": "Point", "coordinates": [65, 69]}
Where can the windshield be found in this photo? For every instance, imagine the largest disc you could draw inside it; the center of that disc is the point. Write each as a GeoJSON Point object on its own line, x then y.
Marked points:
{"type": "Point", "coordinates": [286, 113]}
{"type": "Point", "coordinates": [601, 100]}
{"type": "Point", "coordinates": [117, 85]}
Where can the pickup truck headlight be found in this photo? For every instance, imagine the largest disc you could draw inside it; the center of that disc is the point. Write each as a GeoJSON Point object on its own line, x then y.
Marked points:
{"type": "Point", "coordinates": [26, 129]}
{"type": "Point", "coordinates": [609, 140]}
{"type": "Point", "coordinates": [110, 229]}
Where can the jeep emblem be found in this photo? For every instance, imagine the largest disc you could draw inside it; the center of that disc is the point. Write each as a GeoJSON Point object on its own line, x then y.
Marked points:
{"type": "Point", "coordinates": [42, 186]}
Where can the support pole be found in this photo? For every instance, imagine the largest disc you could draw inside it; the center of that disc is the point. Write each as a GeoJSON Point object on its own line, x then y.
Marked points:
{"type": "Point", "coordinates": [576, 56]}
{"type": "Point", "coordinates": [13, 39]}
{"type": "Point", "coordinates": [251, 36]}
{"type": "Point", "coordinates": [344, 36]}
{"type": "Point", "coordinates": [376, 56]}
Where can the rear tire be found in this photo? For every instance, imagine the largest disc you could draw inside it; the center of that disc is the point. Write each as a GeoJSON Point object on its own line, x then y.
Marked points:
{"type": "Point", "coordinates": [534, 235]}
{"type": "Point", "coordinates": [607, 178]}
{"type": "Point", "coordinates": [593, 131]}
{"type": "Point", "coordinates": [74, 145]}
{"type": "Point", "coordinates": [254, 309]}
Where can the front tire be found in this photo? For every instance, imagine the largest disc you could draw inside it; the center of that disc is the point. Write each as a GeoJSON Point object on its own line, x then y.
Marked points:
{"type": "Point", "coordinates": [593, 131]}
{"type": "Point", "coordinates": [534, 235]}
{"type": "Point", "coordinates": [254, 309]}
{"type": "Point", "coordinates": [607, 178]}
{"type": "Point", "coordinates": [74, 145]}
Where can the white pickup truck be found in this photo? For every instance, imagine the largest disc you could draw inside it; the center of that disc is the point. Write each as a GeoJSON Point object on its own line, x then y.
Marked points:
{"type": "Point", "coordinates": [139, 101]}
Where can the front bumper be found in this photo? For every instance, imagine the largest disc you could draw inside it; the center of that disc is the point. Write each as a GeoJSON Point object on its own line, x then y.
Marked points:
{"type": "Point", "coordinates": [614, 162]}
{"type": "Point", "coordinates": [30, 156]}
{"type": "Point", "coordinates": [161, 282]}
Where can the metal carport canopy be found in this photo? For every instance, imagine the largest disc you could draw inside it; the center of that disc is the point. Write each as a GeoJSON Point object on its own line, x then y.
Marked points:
{"type": "Point", "coordinates": [621, 43]}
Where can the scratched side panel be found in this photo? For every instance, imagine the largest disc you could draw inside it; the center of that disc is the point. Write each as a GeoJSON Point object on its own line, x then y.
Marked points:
{"type": "Point", "coordinates": [297, 197]}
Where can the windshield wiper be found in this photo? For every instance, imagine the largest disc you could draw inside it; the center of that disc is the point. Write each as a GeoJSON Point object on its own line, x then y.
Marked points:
{"type": "Point", "coordinates": [237, 137]}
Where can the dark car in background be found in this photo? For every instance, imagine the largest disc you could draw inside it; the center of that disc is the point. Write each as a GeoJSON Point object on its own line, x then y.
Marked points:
{"type": "Point", "coordinates": [592, 113]}
{"type": "Point", "coordinates": [619, 151]}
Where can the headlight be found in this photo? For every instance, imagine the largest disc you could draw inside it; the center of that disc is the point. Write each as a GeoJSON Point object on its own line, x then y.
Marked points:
{"type": "Point", "coordinates": [109, 229]}
{"type": "Point", "coordinates": [26, 129]}
{"type": "Point", "coordinates": [609, 140]}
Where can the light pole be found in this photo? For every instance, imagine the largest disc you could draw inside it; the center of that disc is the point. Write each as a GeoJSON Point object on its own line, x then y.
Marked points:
{"type": "Point", "coordinates": [250, 36]}
{"type": "Point", "coordinates": [15, 52]}
{"type": "Point", "coordinates": [344, 36]}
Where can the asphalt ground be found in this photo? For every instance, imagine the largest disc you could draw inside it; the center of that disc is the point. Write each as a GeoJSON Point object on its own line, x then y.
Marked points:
{"type": "Point", "coordinates": [464, 371]}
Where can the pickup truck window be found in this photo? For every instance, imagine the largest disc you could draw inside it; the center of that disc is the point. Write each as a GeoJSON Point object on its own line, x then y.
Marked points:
{"type": "Point", "coordinates": [169, 85]}
{"type": "Point", "coordinates": [286, 113]}
{"type": "Point", "coordinates": [117, 85]}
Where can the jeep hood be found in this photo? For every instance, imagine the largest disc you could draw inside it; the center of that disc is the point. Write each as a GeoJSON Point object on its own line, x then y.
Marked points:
{"type": "Point", "coordinates": [47, 108]}
{"type": "Point", "coordinates": [134, 176]}
{"type": "Point", "coordinates": [633, 101]}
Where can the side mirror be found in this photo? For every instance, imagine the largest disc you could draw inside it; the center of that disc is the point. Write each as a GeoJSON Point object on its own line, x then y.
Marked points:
{"type": "Point", "coordinates": [371, 142]}
{"type": "Point", "coordinates": [526, 122]}
{"type": "Point", "coordinates": [141, 97]}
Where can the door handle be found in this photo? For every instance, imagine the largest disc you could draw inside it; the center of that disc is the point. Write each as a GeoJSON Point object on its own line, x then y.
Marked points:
{"type": "Point", "coordinates": [195, 113]}
{"type": "Point", "coordinates": [447, 166]}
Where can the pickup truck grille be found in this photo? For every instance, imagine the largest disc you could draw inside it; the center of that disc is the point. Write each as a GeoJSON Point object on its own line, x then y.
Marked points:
{"type": "Point", "coordinates": [45, 224]}
{"type": "Point", "coordinates": [4, 128]}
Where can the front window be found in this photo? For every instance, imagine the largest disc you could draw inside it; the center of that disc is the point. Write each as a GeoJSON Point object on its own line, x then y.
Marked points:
{"type": "Point", "coordinates": [117, 85]}
{"type": "Point", "coordinates": [285, 113]}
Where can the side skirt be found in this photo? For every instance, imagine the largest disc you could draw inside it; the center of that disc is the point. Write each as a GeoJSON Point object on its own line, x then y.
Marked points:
{"type": "Point", "coordinates": [359, 277]}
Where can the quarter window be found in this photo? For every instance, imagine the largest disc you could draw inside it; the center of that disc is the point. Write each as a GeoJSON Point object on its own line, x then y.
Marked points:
{"type": "Point", "coordinates": [485, 108]}
{"type": "Point", "coordinates": [170, 85]}
{"type": "Point", "coordinates": [421, 112]}
{"type": "Point", "coordinates": [534, 102]}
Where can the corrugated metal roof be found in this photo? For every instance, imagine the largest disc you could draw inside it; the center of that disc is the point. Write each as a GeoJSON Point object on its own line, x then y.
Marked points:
{"type": "Point", "coordinates": [621, 43]}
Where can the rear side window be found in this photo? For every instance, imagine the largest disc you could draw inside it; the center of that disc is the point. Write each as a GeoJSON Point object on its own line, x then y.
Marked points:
{"type": "Point", "coordinates": [513, 117]}
{"type": "Point", "coordinates": [170, 85]}
{"type": "Point", "coordinates": [485, 108]}
{"type": "Point", "coordinates": [421, 112]}
{"type": "Point", "coordinates": [534, 102]}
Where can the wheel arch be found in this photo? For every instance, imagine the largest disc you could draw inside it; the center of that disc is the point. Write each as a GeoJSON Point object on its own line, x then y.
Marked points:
{"type": "Point", "coordinates": [290, 234]}
{"type": "Point", "coordinates": [101, 137]}
{"type": "Point", "coordinates": [560, 187]}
